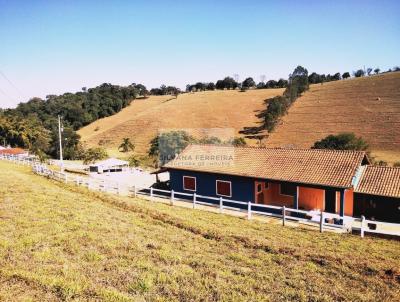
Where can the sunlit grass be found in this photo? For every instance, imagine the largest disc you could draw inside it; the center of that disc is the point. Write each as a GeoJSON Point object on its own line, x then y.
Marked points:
{"type": "Point", "coordinates": [60, 242]}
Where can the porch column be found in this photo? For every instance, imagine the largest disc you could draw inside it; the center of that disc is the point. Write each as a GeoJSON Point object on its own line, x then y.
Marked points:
{"type": "Point", "coordinates": [296, 199]}
{"type": "Point", "coordinates": [342, 202]}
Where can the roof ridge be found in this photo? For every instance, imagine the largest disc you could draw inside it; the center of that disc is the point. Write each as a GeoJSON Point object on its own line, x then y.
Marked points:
{"type": "Point", "coordinates": [383, 167]}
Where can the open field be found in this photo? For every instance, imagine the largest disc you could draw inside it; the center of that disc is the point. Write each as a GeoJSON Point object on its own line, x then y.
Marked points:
{"type": "Point", "coordinates": [142, 120]}
{"type": "Point", "coordinates": [60, 242]}
{"type": "Point", "coordinates": [347, 106]}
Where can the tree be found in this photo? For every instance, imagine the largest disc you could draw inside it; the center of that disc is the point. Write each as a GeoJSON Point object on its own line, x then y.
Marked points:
{"type": "Point", "coordinates": [377, 70]}
{"type": "Point", "coordinates": [342, 141]}
{"type": "Point", "coordinates": [346, 75]}
{"type": "Point", "coordinates": [298, 83]}
{"type": "Point", "coordinates": [336, 77]}
{"type": "Point", "coordinates": [92, 155]}
{"type": "Point", "coordinates": [134, 161]}
{"type": "Point", "coordinates": [248, 83]}
{"type": "Point", "coordinates": [211, 86]}
{"type": "Point", "coordinates": [210, 140]}
{"type": "Point", "coordinates": [126, 145]}
{"type": "Point", "coordinates": [359, 73]}
{"type": "Point", "coordinates": [165, 146]}
{"type": "Point", "coordinates": [369, 70]}
{"type": "Point", "coordinates": [237, 142]}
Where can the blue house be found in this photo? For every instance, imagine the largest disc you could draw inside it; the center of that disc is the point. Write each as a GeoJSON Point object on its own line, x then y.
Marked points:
{"type": "Point", "coordinates": [308, 179]}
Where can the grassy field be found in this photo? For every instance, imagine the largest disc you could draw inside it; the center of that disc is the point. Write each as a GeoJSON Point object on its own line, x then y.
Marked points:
{"type": "Point", "coordinates": [369, 107]}
{"type": "Point", "coordinates": [142, 120]}
{"type": "Point", "coordinates": [64, 243]}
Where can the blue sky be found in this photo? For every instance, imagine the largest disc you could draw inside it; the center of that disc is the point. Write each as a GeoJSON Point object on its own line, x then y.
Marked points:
{"type": "Point", "coordinates": [51, 47]}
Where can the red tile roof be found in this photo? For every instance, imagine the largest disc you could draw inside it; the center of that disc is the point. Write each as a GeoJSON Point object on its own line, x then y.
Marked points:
{"type": "Point", "coordinates": [331, 168]}
{"type": "Point", "coordinates": [379, 180]}
{"type": "Point", "coordinates": [13, 151]}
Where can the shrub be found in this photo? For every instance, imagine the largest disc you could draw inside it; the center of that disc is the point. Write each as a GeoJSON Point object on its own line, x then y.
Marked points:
{"type": "Point", "coordinates": [342, 141]}
{"type": "Point", "coordinates": [92, 155]}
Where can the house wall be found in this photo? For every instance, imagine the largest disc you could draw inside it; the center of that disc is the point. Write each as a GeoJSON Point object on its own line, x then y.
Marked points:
{"type": "Point", "coordinates": [242, 187]}
{"type": "Point", "coordinates": [273, 197]}
{"type": "Point", "coordinates": [311, 198]}
{"type": "Point", "coordinates": [245, 189]}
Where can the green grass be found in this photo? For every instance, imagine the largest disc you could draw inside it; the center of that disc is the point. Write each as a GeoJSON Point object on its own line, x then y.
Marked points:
{"type": "Point", "coordinates": [64, 243]}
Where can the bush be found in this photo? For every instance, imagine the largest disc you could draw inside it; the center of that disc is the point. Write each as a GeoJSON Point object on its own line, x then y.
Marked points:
{"type": "Point", "coordinates": [342, 141]}
{"type": "Point", "coordinates": [92, 155]}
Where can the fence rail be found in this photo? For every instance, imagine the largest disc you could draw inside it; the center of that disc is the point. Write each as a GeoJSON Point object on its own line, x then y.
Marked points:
{"type": "Point", "coordinates": [316, 218]}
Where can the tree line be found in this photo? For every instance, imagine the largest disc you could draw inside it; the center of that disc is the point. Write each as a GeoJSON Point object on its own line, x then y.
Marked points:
{"type": "Point", "coordinates": [33, 125]}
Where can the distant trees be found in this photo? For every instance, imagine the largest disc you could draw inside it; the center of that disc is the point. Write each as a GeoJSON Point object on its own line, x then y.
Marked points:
{"type": "Point", "coordinates": [126, 145]}
{"type": "Point", "coordinates": [248, 83]}
{"type": "Point", "coordinates": [26, 132]}
{"type": "Point", "coordinates": [166, 145]}
{"type": "Point", "coordinates": [282, 83]}
{"type": "Point", "coordinates": [199, 86]}
{"type": "Point", "coordinates": [359, 73]}
{"type": "Point", "coordinates": [76, 109]}
{"type": "Point", "coordinates": [165, 90]}
{"type": "Point", "coordinates": [342, 141]}
{"type": "Point", "coordinates": [377, 70]}
{"type": "Point", "coordinates": [369, 70]}
{"type": "Point", "coordinates": [316, 78]}
{"type": "Point", "coordinates": [346, 75]}
{"type": "Point", "coordinates": [227, 83]}
{"type": "Point", "coordinates": [277, 106]}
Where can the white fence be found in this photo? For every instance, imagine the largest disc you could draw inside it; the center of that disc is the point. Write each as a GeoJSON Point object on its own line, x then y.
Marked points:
{"type": "Point", "coordinates": [322, 220]}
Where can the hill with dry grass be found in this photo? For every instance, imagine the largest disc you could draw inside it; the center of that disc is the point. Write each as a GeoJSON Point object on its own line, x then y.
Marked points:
{"type": "Point", "coordinates": [369, 107]}
{"type": "Point", "coordinates": [142, 120]}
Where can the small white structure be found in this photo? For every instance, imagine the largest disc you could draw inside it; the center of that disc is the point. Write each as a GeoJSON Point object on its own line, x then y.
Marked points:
{"type": "Point", "coordinates": [109, 165]}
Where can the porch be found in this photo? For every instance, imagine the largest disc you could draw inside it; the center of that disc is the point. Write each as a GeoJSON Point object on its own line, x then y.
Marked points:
{"type": "Point", "coordinates": [304, 197]}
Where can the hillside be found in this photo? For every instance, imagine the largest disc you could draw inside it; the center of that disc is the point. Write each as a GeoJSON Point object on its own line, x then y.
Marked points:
{"type": "Point", "coordinates": [142, 120]}
{"type": "Point", "coordinates": [369, 107]}
{"type": "Point", "coordinates": [63, 243]}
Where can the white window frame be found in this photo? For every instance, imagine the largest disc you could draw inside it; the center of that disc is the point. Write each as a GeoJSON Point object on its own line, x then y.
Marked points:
{"type": "Point", "coordinates": [216, 187]}
{"type": "Point", "coordinates": [280, 191]}
{"type": "Point", "coordinates": [195, 183]}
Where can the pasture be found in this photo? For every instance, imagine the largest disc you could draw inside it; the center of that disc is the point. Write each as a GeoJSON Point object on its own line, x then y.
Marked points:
{"type": "Point", "coordinates": [64, 243]}
{"type": "Point", "coordinates": [369, 107]}
{"type": "Point", "coordinates": [142, 120]}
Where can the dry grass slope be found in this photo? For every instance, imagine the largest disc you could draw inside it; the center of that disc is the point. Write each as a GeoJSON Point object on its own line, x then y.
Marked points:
{"type": "Point", "coordinates": [142, 120]}
{"type": "Point", "coordinates": [369, 107]}
{"type": "Point", "coordinates": [63, 243]}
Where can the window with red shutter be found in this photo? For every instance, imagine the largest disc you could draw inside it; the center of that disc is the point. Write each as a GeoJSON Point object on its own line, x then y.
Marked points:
{"type": "Point", "coordinates": [189, 183]}
{"type": "Point", "coordinates": [224, 188]}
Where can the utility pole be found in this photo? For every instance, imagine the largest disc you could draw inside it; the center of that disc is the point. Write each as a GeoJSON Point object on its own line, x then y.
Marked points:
{"type": "Point", "coordinates": [60, 139]}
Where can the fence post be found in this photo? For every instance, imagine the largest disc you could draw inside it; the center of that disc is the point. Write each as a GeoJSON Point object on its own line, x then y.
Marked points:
{"type": "Point", "coordinates": [118, 189]}
{"type": "Point", "coordinates": [172, 198]}
{"type": "Point", "coordinates": [77, 181]}
{"type": "Point", "coordinates": [134, 191]}
{"type": "Point", "coordinates": [283, 215]}
{"type": "Point", "coordinates": [362, 226]}
{"type": "Point", "coordinates": [66, 177]}
{"type": "Point", "coordinates": [249, 210]}
{"type": "Point", "coordinates": [221, 205]}
{"type": "Point", "coordinates": [151, 193]}
{"type": "Point", "coordinates": [321, 222]}
{"type": "Point", "coordinates": [194, 200]}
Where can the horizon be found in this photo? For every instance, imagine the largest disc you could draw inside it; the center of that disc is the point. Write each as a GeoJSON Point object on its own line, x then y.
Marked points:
{"type": "Point", "coordinates": [53, 48]}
